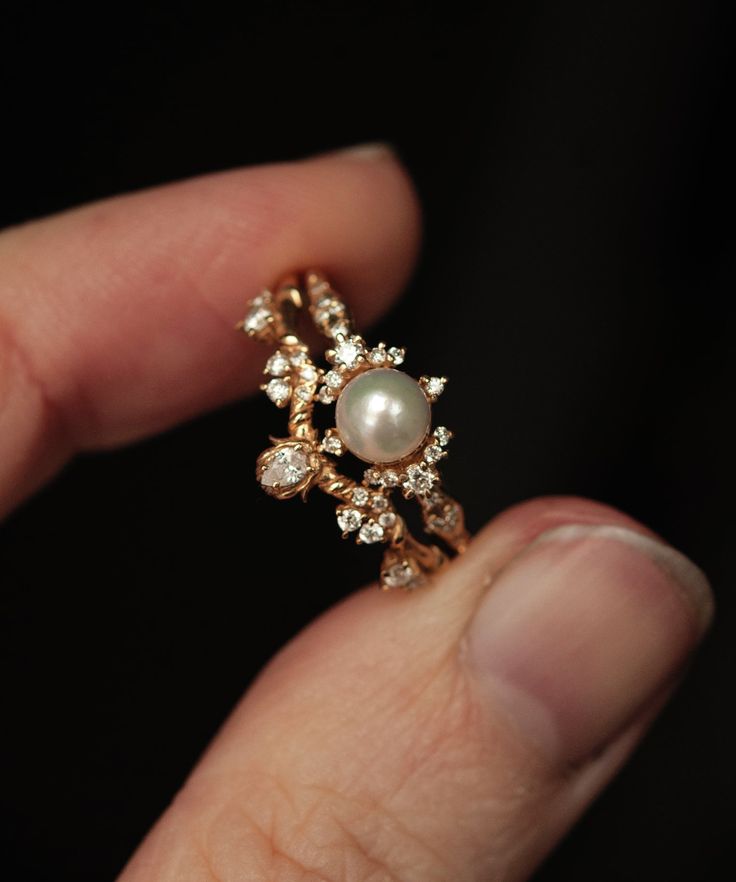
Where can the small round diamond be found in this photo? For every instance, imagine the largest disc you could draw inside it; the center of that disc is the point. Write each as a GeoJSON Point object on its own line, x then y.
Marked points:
{"type": "Point", "coordinates": [257, 319]}
{"type": "Point", "coordinates": [433, 453]}
{"type": "Point", "coordinates": [360, 496]}
{"type": "Point", "coordinates": [396, 355]}
{"type": "Point", "coordinates": [442, 435]}
{"type": "Point", "coordinates": [298, 358]}
{"type": "Point", "coordinates": [308, 373]}
{"type": "Point", "coordinates": [387, 519]}
{"type": "Point", "coordinates": [371, 532]}
{"type": "Point", "coordinates": [349, 519]}
{"type": "Point", "coordinates": [419, 479]}
{"type": "Point", "coordinates": [333, 379]}
{"type": "Point", "coordinates": [348, 352]}
{"type": "Point", "coordinates": [433, 386]}
{"type": "Point", "coordinates": [278, 365]}
{"type": "Point", "coordinates": [325, 395]}
{"type": "Point", "coordinates": [390, 478]}
{"type": "Point", "coordinates": [372, 476]}
{"type": "Point", "coordinates": [278, 391]}
{"type": "Point", "coordinates": [379, 503]}
{"type": "Point", "coordinates": [304, 393]}
{"type": "Point", "coordinates": [332, 444]}
{"type": "Point", "coordinates": [377, 356]}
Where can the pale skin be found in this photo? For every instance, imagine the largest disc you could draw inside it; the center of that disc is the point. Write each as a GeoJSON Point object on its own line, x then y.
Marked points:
{"type": "Point", "coordinates": [448, 735]}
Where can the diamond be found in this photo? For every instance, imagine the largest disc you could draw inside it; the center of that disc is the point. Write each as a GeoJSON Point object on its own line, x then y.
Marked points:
{"type": "Point", "coordinates": [433, 386]}
{"type": "Point", "coordinates": [332, 444]}
{"type": "Point", "coordinates": [257, 319]}
{"type": "Point", "coordinates": [390, 478]}
{"type": "Point", "coordinates": [325, 395]}
{"type": "Point", "coordinates": [298, 358]}
{"type": "Point", "coordinates": [433, 452]}
{"type": "Point", "coordinates": [360, 496]}
{"type": "Point", "coordinates": [278, 391]}
{"type": "Point", "coordinates": [340, 329]}
{"type": "Point", "coordinates": [308, 373]}
{"type": "Point", "coordinates": [379, 503]}
{"type": "Point", "coordinates": [396, 355]}
{"type": "Point", "coordinates": [447, 519]}
{"type": "Point", "coordinates": [372, 476]}
{"type": "Point", "coordinates": [287, 466]}
{"type": "Point", "coordinates": [370, 532]}
{"type": "Point", "coordinates": [327, 308]}
{"type": "Point", "coordinates": [442, 435]}
{"type": "Point", "coordinates": [349, 519]}
{"type": "Point", "coordinates": [333, 379]}
{"type": "Point", "coordinates": [348, 352]}
{"type": "Point", "coordinates": [277, 365]}
{"type": "Point", "coordinates": [419, 479]}
{"type": "Point", "coordinates": [377, 356]}
{"type": "Point", "coordinates": [387, 519]}
{"type": "Point", "coordinates": [400, 575]}
{"type": "Point", "coordinates": [304, 393]}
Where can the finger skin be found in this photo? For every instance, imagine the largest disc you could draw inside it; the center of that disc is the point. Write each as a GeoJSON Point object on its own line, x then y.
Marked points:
{"type": "Point", "coordinates": [117, 318]}
{"type": "Point", "coordinates": [370, 748]}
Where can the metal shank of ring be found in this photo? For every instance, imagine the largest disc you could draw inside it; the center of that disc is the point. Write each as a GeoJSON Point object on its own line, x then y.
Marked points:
{"type": "Point", "coordinates": [295, 464]}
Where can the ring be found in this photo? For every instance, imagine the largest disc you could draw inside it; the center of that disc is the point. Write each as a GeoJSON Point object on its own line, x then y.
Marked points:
{"type": "Point", "coordinates": [382, 417]}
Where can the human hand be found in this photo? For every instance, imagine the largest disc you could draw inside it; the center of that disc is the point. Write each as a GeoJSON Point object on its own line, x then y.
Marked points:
{"type": "Point", "coordinates": [452, 734]}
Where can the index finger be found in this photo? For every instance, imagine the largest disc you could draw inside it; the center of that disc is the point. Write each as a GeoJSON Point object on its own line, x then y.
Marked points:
{"type": "Point", "coordinates": [116, 319]}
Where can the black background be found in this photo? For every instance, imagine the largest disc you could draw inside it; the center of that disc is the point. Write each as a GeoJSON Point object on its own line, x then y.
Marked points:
{"type": "Point", "coordinates": [575, 162]}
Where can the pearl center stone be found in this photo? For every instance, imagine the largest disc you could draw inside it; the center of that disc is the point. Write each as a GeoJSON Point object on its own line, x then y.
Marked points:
{"type": "Point", "coordinates": [382, 415]}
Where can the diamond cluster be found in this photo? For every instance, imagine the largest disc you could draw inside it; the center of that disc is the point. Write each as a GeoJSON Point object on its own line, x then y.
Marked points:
{"type": "Point", "coordinates": [368, 515]}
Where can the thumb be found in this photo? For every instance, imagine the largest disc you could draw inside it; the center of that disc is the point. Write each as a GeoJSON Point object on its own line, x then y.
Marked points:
{"type": "Point", "coordinates": [453, 733]}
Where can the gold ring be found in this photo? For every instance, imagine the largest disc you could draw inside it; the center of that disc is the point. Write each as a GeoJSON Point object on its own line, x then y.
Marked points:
{"type": "Point", "coordinates": [382, 417]}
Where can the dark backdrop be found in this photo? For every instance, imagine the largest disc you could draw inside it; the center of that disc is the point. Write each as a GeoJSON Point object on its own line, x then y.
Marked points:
{"type": "Point", "coordinates": [575, 164]}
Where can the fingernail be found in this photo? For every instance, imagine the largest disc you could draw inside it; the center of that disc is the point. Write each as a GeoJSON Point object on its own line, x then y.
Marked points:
{"type": "Point", "coordinates": [368, 152]}
{"type": "Point", "coordinates": [581, 630]}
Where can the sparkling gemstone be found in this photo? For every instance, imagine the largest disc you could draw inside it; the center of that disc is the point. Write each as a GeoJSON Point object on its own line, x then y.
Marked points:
{"type": "Point", "coordinates": [278, 390]}
{"type": "Point", "coordinates": [332, 444]}
{"type": "Point", "coordinates": [434, 386]}
{"type": "Point", "coordinates": [298, 358]}
{"type": "Point", "coordinates": [387, 519]}
{"type": "Point", "coordinates": [433, 453]}
{"type": "Point", "coordinates": [308, 373]}
{"type": "Point", "coordinates": [442, 435]}
{"type": "Point", "coordinates": [333, 379]}
{"type": "Point", "coordinates": [377, 356]}
{"type": "Point", "coordinates": [328, 309]}
{"type": "Point", "coordinates": [399, 575]}
{"type": "Point", "coordinates": [446, 519]}
{"type": "Point", "coordinates": [382, 415]}
{"type": "Point", "coordinates": [278, 365]}
{"type": "Point", "coordinates": [396, 355]}
{"type": "Point", "coordinates": [286, 467]}
{"type": "Point", "coordinates": [371, 532]}
{"type": "Point", "coordinates": [325, 395]}
{"type": "Point", "coordinates": [360, 496]}
{"type": "Point", "coordinates": [419, 479]}
{"type": "Point", "coordinates": [349, 519]}
{"type": "Point", "coordinates": [257, 318]}
{"type": "Point", "coordinates": [390, 478]}
{"type": "Point", "coordinates": [348, 352]}
{"type": "Point", "coordinates": [304, 393]}
{"type": "Point", "coordinates": [379, 503]}
{"type": "Point", "coordinates": [372, 476]}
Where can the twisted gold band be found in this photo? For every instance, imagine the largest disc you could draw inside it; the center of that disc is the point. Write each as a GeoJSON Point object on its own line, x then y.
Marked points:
{"type": "Point", "coordinates": [383, 417]}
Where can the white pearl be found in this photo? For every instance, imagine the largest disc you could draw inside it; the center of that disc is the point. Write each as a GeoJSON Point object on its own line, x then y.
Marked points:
{"type": "Point", "coordinates": [382, 415]}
